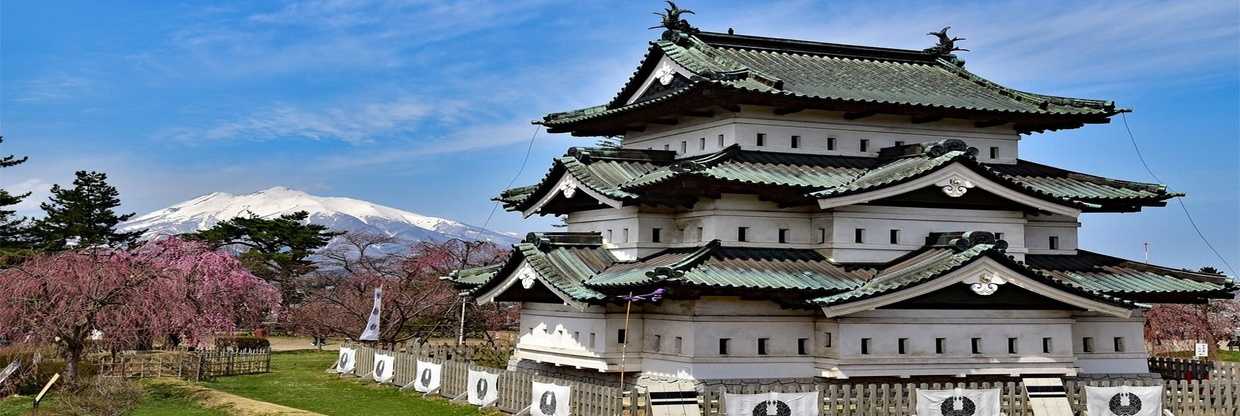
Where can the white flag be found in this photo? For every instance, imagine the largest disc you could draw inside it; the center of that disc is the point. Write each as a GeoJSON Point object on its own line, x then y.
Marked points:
{"type": "Point", "coordinates": [428, 377]}
{"type": "Point", "coordinates": [958, 402]}
{"type": "Point", "coordinates": [371, 333]}
{"type": "Point", "coordinates": [549, 400]}
{"type": "Point", "coordinates": [483, 388]}
{"type": "Point", "coordinates": [347, 360]}
{"type": "Point", "coordinates": [385, 367]}
{"type": "Point", "coordinates": [1123, 401]}
{"type": "Point", "coordinates": [772, 404]}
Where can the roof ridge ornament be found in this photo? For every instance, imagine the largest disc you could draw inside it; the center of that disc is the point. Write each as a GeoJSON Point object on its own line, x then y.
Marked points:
{"type": "Point", "coordinates": [946, 46]}
{"type": "Point", "coordinates": [677, 29]}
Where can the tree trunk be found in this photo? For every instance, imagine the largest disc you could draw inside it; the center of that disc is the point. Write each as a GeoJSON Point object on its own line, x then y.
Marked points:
{"type": "Point", "coordinates": [73, 356]}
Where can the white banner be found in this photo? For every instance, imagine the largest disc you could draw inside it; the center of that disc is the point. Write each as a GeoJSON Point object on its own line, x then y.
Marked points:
{"type": "Point", "coordinates": [483, 388]}
{"type": "Point", "coordinates": [385, 367]}
{"type": "Point", "coordinates": [347, 360]}
{"type": "Point", "coordinates": [771, 404]}
{"type": "Point", "coordinates": [1123, 401]}
{"type": "Point", "coordinates": [958, 402]}
{"type": "Point", "coordinates": [428, 377]}
{"type": "Point", "coordinates": [550, 400]}
{"type": "Point", "coordinates": [371, 333]}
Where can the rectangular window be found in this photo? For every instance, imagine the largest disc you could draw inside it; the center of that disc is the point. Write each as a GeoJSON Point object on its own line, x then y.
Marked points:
{"type": "Point", "coordinates": [1087, 344]}
{"type": "Point", "coordinates": [895, 236]}
{"type": "Point", "coordinates": [720, 140]}
{"type": "Point", "coordinates": [998, 236]}
{"type": "Point", "coordinates": [740, 233]}
{"type": "Point", "coordinates": [1047, 345]}
{"type": "Point", "coordinates": [702, 143]}
{"type": "Point", "coordinates": [576, 336]}
{"type": "Point", "coordinates": [1053, 242]}
{"type": "Point", "coordinates": [822, 235]}
{"type": "Point", "coordinates": [626, 235]}
{"type": "Point", "coordinates": [859, 236]}
{"type": "Point", "coordinates": [763, 343]}
{"type": "Point", "coordinates": [678, 345]}
{"type": "Point", "coordinates": [700, 234]}
{"type": "Point", "coordinates": [977, 345]}
{"type": "Point", "coordinates": [830, 143]}
{"type": "Point", "coordinates": [761, 140]}
{"type": "Point", "coordinates": [592, 340]}
{"type": "Point", "coordinates": [667, 146]}
{"type": "Point", "coordinates": [827, 341]}
{"type": "Point", "coordinates": [994, 152]}
{"type": "Point", "coordinates": [620, 336]}
{"type": "Point", "coordinates": [864, 145]}
{"type": "Point", "coordinates": [795, 142]}
{"type": "Point", "coordinates": [684, 147]}
{"type": "Point", "coordinates": [656, 235]}
{"type": "Point", "coordinates": [610, 237]}
{"type": "Point", "coordinates": [865, 346]}
{"type": "Point", "coordinates": [899, 143]}
{"type": "Point", "coordinates": [1012, 345]}
{"type": "Point", "coordinates": [802, 346]}
{"type": "Point", "coordinates": [723, 345]}
{"type": "Point", "coordinates": [783, 235]}
{"type": "Point", "coordinates": [902, 345]}
{"type": "Point", "coordinates": [658, 342]}
{"type": "Point", "coordinates": [940, 345]}
{"type": "Point", "coordinates": [1119, 344]}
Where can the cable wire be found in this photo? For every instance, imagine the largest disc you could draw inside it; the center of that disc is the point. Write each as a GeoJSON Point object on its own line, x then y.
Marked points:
{"type": "Point", "coordinates": [1180, 200]}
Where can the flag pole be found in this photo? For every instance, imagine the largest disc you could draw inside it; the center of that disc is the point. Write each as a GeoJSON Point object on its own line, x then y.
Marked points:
{"type": "Point", "coordinates": [624, 346]}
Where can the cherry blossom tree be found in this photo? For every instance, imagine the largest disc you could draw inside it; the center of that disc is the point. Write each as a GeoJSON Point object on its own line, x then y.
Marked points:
{"type": "Point", "coordinates": [168, 287]}
{"type": "Point", "coordinates": [1209, 323]}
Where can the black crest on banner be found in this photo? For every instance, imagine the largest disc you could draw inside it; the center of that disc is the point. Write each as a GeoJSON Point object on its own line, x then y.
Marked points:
{"type": "Point", "coordinates": [344, 360]}
{"type": "Point", "coordinates": [379, 367]}
{"type": "Point", "coordinates": [481, 388]}
{"type": "Point", "coordinates": [781, 408]}
{"type": "Point", "coordinates": [426, 377]}
{"type": "Point", "coordinates": [1116, 404]}
{"type": "Point", "coordinates": [547, 403]}
{"type": "Point", "coordinates": [967, 407]}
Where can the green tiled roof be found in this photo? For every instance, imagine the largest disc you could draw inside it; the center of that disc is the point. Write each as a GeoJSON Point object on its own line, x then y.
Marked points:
{"type": "Point", "coordinates": [1124, 277]}
{"type": "Point", "coordinates": [810, 177]}
{"type": "Point", "coordinates": [561, 260]}
{"type": "Point", "coordinates": [826, 74]}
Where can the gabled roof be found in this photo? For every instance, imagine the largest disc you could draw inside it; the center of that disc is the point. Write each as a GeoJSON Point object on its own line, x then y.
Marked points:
{"type": "Point", "coordinates": [804, 178]}
{"type": "Point", "coordinates": [729, 69]}
{"type": "Point", "coordinates": [576, 266]}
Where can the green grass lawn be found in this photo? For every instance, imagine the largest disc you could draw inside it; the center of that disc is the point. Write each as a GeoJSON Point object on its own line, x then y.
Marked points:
{"type": "Point", "coordinates": [298, 380]}
{"type": "Point", "coordinates": [1223, 355]}
{"type": "Point", "coordinates": [160, 400]}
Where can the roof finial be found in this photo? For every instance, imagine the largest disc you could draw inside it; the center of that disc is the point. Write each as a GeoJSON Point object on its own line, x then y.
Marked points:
{"type": "Point", "coordinates": [672, 22]}
{"type": "Point", "coordinates": [946, 45]}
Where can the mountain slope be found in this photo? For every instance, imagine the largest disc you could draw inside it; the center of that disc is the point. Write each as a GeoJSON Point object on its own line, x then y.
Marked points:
{"type": "Point", "coordinates": [337, 213]}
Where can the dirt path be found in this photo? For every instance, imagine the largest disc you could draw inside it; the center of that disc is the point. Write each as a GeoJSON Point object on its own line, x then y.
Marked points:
{"type": "Point", "coordinates": [238, 405]}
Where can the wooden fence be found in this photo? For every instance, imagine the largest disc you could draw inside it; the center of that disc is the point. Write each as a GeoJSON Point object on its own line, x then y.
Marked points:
{"type": "Point", "coordinates": [1219, 396]}
{"type": "Point", "coordinates": [189, 365]}
{"type": "Point", "coordinates": [1173, 368]}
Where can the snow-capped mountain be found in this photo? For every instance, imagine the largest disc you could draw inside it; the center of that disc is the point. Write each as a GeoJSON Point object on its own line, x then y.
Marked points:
{"type": "Point", "coordinates": [337, 213]}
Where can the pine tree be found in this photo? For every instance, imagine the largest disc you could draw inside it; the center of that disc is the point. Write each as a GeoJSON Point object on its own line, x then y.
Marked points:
{"type": "Point", "coordinates": [83, 215]}
{"type": "Point", "coordinates": [12, 227]}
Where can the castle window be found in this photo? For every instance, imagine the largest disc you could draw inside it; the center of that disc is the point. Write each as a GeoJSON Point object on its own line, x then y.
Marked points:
{"type": "Point", "coordinates": [626, 235]}
{"type": "Point", "coordinates": [822, 235]}
{"type": "Point", "coordinates": [740, 233]}
{"type": "Point", "coordinates": [1053, 242]}
{"type": "Point", "coordinates": [859, 236]}
{"type": "Point", "coordinates": [803, 346]}
{"type": "Point", "coordinates": [977, 345]}
{"type": "Point", "coordinates": [610, 237]}
{"type": "Point", "coordinates": [902, 345]}
{"type": "Point", "coordinates": [723, 345]}
{"type": "Point", "coordinates": [895, 236]}
{"type": "Point", "coordinates": [1012, 345]}
{"type": "Point", "coordinates": [783, 235]}
{"type": "Point", "coordinates": [761, 140]}
{"type": "Point", "coordinates": [702, 143]}
{"type": "Point", "coordinates": [684, 146]}
{"type": "Point", "coordinates": [864, 145]}
{"type": "Point", "coordinates": [1087, 344]}
{"type": "Point", "coordinates": [576, 336]}
{"type": "Point", "coordinates": [899, 143]}
{"type": "Point", "coordinates": [830, 143]}
{"type": "Point", "coordinates": [667, 146]}
{"type": "Point", "coordinates": [621, 337]}
{"type": "Point", "coordinates": [1047, 345]}
{"type": "Point", "coordinates": [658, 342]}
{"type": "Point", "coordinates": [721, 141]}
{"type": "Point", "coordinates": [865, 346]}
{"type": "Point", "coordinates": [592, 340]}
{"type": "Point", "coordinates": [763, 343]}
{"type": "Point", "coordinates": [994, 152]}
{"type": "Point", "coordinates": [1119, 344]}
{"type": "Point", "coordinates": [795, 142]}
{"type": "Point", "coordinates": [940, 345]}
{"type": "Point", "coordinates": [827, 340]}
{"type": "Point", "coordinates": [701, 235]}
{"type": "Point", "coordinates": [678, 345]}
{"type": "Point", "coordinates": [998, 236]}
{"type": "Point", "coordinates": [656, 235]}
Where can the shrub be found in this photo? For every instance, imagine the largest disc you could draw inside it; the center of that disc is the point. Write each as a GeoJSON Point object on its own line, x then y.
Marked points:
{"type": "Point", "coordinates": [101, 396]}
{"type": "Point", "coordinates": [37, 366]}
{"type": "Point", "coordinates": [242, 343]}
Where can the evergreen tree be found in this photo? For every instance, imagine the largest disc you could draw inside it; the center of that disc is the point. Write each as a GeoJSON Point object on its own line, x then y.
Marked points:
{"type": "Point", "coordinates": [84, 215]}
{"type": "Point", "coordinates": [275, 249]}
{"type": "Point", "coordinates": [12, 227]}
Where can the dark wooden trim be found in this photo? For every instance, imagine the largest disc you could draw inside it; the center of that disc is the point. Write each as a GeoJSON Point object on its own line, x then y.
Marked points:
{"type": "Point", "coordinates": [857, 115]}
{"type": "Point", "coordinates": [783, 111]}
{"type": "Point", "coordinates": [926, 118]}
{"type": "Point", "coordinates": [733, 108]}
{"type": "Point", "coordinates": [666, 121]}
{"type": "Point", "coordinates": [699, 113]}
{"type": "Point", "coordinates": [990, 123]}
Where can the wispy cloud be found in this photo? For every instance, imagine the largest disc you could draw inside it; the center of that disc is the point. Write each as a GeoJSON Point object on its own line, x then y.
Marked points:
{"type": "Point", "coordinates": [353, 122]}
{"type": "Point", "coordinates": [53, 87]}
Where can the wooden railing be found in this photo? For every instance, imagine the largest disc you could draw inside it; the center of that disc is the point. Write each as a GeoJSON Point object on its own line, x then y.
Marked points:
{"type": "Point", "coordinates": [189, 365]}
{"type": "Point", "coordinates": [1173, 368]}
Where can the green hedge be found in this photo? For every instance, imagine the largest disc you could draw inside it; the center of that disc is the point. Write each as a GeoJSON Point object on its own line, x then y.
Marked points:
{"type": "Point", "coordinates": [242, 343]}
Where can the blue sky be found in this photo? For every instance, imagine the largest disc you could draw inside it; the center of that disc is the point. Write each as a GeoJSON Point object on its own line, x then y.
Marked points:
{"type": "Point", "coordinates": [426, 106]}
